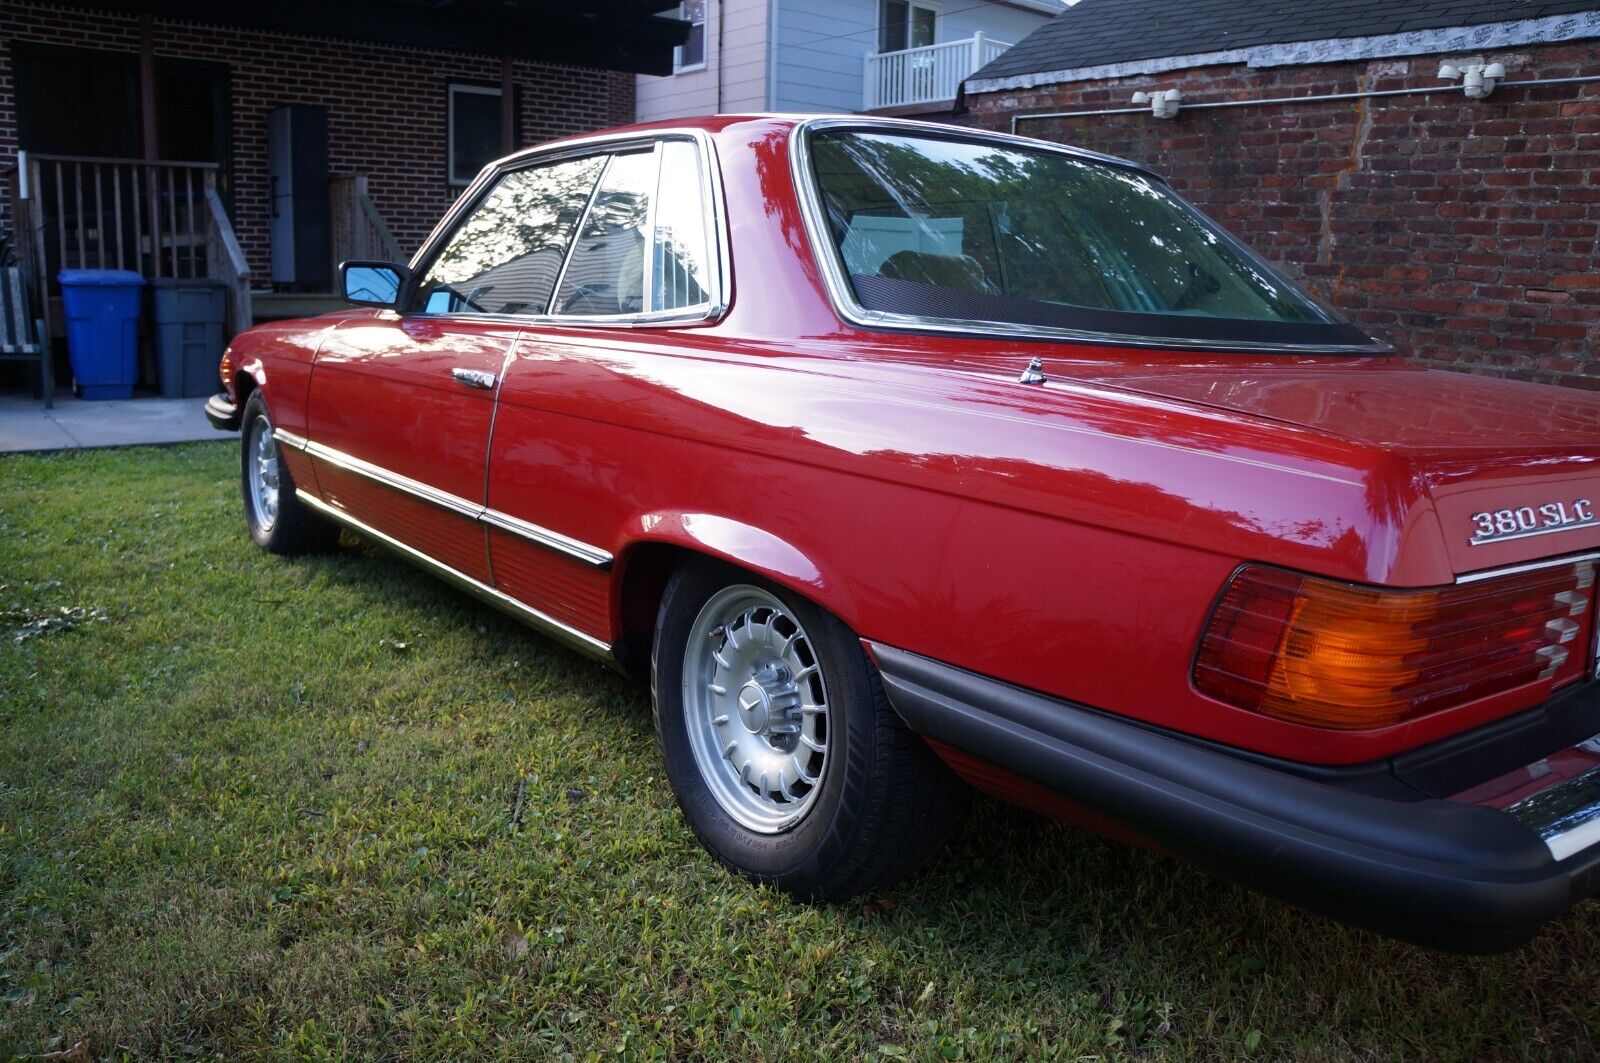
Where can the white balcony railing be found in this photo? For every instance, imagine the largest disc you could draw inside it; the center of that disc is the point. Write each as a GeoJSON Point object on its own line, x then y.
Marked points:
{"type": "Point", "coordinates": [925, 75]}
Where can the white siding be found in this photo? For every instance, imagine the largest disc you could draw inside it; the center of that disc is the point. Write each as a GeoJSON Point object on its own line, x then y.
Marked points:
{"type": "Point", "coordinates": [995, 21]}
{"type": "Point", "coordinates": [740, 62]}
{"type": "Point", "coordinates": [820, 47]}
{"type": "Point", "coordinates": [823, 44]}
{"type": "Point", "coordinates": [744, 56]}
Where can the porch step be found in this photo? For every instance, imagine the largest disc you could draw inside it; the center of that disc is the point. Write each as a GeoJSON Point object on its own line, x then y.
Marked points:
{"type": "Point", "coordinates": [275, 306]}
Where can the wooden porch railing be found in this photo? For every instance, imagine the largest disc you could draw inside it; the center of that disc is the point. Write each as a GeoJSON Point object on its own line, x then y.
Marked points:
{"type": "Point", "coordinates": [159, 219]}
{"type": "Point", "coordinates": [359, 230]}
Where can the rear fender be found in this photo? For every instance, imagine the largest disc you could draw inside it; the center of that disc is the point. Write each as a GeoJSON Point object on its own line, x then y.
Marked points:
{"type": "Point", "coordinates": [744, 545]}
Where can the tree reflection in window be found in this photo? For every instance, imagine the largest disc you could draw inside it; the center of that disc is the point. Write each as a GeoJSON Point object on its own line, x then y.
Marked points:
{"type": "Point", "coordinates": [606, 273]}
{"type": "Point", "coordinates": [505, 257]}
{"type": "Point", "coordinates": [995, 222]}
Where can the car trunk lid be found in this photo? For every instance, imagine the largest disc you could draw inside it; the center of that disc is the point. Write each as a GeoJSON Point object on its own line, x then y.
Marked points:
{"type": "Point", "coordinates": [1513, 468]}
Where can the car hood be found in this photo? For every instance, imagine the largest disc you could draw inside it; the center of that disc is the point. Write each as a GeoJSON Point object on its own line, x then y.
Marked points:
{"type": "Point", "coordinates": [1478, 445]}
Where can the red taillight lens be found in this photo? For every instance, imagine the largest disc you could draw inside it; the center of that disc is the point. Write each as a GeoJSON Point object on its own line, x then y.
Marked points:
{"type": "Point", "coordinates": [1337, 655]}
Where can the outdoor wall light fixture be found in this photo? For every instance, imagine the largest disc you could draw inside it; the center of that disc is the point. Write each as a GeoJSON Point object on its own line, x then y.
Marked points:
{"type": "Point", "coordinates": [1164, 103]}
{"type": "Point", "coordinates": [1477, 80]}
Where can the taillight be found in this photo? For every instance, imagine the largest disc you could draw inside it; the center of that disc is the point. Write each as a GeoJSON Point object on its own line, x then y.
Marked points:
{"type": "Point", "coordinates": [1338, 655]}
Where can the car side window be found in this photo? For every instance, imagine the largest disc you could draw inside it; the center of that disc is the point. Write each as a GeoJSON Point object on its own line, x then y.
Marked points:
{"type": "Point", "coordinates": [605, 274]}
{"type": "Point", "coordinates": [682, 241]}
{"type": "Point", "coordinates": [505, 257]}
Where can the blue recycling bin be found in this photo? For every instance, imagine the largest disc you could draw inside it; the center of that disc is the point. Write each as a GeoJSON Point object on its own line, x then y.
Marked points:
{"type": "Point", "coordinates": [102, 311]}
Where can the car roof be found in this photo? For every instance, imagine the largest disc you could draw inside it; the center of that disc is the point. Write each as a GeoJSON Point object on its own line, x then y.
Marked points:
{"type": "Point", "coordinates": [763, 123]}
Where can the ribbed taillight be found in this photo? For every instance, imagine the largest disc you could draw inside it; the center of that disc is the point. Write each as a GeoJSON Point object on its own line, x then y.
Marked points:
{"type": "Point", "coordinates": [1350, 657]}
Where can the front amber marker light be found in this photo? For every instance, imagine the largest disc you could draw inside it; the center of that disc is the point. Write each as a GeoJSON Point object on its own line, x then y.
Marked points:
{"type": "Point", "coordinates": [1349, 657]}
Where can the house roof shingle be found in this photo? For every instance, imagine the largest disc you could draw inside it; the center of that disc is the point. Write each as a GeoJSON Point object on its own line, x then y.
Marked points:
{"type": "Point", "coordinates": [1108, 33]}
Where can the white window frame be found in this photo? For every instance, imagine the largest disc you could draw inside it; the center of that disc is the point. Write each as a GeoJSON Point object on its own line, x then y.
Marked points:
{"type": "Point", "coordinates": [677, 52]}
{"type": "Point", "coordinates": [452, 89]}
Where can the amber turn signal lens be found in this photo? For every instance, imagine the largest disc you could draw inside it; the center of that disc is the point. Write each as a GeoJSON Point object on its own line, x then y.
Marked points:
{"type": "Point", "coordinates": [225, 370]}
{"type": "Point", "coordinates": [1350, 657]}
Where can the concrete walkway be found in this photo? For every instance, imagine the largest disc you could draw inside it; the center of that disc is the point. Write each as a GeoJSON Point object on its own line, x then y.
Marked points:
{"type": "Point", "coordinates": [26, 425]}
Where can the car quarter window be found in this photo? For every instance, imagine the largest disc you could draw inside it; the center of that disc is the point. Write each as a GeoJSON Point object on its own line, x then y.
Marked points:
{"type": "Point", "coordinates": [682, 256]}
{"type": "Point", "coordinates": [646, 244]}
{"type": "Point", "coordinates": [605, 274]}
{"type": "Point", "coordinates": [505, 256]}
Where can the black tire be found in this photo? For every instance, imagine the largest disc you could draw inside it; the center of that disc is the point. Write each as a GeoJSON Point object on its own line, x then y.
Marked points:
{"type": "Point", "coordinates": [295, 529]}
{"type": "Point", "coordinates": [885, 803]}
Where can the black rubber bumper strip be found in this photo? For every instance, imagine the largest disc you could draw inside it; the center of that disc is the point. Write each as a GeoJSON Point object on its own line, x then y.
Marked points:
{"type": "Point", "coordinates": [223, 414]}
{"type": "Point", "coordinates": [1457, 877]}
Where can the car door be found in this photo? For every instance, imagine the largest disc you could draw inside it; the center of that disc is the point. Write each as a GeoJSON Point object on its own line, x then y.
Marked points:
{"type": "Point", "coordinates": [402, 403]}
{"type": "Point", "coordinates": [645, 261]}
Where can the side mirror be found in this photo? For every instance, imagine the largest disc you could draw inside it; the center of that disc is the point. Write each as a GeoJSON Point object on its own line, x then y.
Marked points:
{"type": "Point", "coordinates": [372, 283]}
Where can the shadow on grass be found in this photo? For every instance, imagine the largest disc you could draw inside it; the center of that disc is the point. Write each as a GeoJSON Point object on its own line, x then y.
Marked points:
{"type": "Point", "coordinates": [1029, 906]}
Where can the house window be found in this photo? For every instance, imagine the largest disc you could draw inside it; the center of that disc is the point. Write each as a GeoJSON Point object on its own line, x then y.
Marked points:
{"type": "Point", "coordinates": [691, 54]}
{"type": "Point", "coordinates": [903, 25]}
{"type": "Point", "coordinates": [474, 130]}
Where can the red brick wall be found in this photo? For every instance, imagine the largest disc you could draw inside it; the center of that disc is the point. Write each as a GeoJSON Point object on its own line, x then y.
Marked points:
{"type": "Point", "coordinates": [386, 105]}
{"type": "Point", "coordinates": [1464, 231]}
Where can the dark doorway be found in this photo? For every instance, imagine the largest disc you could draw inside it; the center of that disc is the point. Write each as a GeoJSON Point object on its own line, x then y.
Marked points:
{"type": "Point", "coordinates": [193, 118]}
{"type": "Point", "coordinates": [72, 101]}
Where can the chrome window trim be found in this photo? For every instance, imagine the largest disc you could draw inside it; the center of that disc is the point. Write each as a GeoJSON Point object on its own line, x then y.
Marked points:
{"type": "Point", "coordinates": [493, 518]}
{"type": "Point", "coordinates": [647, 296]}
{"type": "Point", "coordinates": [720, 286]}
{"type": "Point", "coordinates": [544, 622]}
{"type": "Point", "coordinates": [577, 232]}
{"type": "Point", "coordinates": [842, 296]}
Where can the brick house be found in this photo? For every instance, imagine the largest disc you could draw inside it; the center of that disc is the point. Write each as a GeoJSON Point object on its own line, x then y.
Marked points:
{"type": "Point", "coordinates": [131, 116]}
{"type": "Point", "coordinates": [1463, 229]}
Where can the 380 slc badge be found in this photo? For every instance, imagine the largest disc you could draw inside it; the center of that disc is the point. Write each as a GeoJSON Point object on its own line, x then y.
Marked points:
{"type": "Point", "coordinates": [1527, 521]}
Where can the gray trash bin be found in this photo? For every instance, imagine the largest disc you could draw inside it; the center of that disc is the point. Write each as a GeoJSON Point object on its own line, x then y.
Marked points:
{"type": "Point", "coordinates": [188, 318]}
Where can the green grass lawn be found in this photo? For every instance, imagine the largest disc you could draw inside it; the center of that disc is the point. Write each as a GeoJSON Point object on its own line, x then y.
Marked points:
{"type": "Point", "coordinates": [253, 806]}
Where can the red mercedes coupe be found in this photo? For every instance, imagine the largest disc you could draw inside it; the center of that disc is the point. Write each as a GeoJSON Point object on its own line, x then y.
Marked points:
{"type": "Point", "coordinates": [894, 454]}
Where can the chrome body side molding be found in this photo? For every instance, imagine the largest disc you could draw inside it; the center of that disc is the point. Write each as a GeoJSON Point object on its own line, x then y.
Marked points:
{"type": "Point", "coordinates": [493, 518]}
{"type": "Point", "coordinates": [552, 540]}
{"type": "Point", "coordinates": [543, 622]}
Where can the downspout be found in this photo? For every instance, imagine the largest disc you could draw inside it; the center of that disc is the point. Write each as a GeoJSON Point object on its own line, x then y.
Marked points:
{"type": "Point", "coordinates": [772, 55]}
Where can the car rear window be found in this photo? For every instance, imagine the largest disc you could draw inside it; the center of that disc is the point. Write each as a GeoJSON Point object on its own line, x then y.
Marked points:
{"type": "Point", "coordinates": [948, 229]}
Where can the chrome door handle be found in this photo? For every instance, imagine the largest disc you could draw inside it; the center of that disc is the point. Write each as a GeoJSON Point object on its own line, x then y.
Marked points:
{"type": "Point", "coordinates": [474, 378]}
